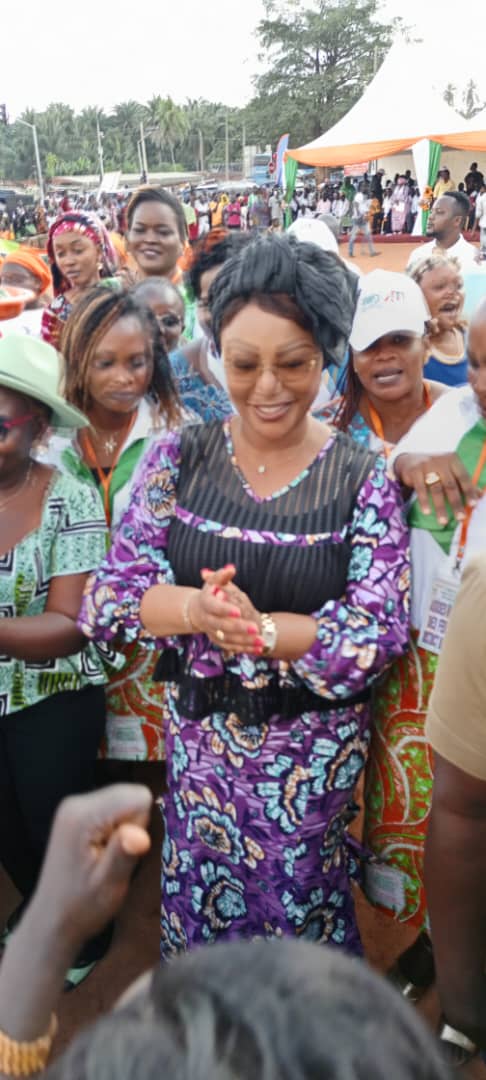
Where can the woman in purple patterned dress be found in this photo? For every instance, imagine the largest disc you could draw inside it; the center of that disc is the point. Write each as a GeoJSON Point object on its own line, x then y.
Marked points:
{"type": "Point", "coordinates": [272, 652]}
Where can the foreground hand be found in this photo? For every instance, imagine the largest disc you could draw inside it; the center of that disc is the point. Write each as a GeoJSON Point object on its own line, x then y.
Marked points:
{"type": "Point", "coordinates": [220, 608]}
{"type": "Point", "coordinates": [95, 843]}
{"type": "Point", "coordinates": [453, 484]}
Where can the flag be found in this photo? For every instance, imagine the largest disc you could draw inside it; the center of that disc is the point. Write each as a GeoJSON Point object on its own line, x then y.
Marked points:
{"type": "Point", "coordinates": [282, 147]}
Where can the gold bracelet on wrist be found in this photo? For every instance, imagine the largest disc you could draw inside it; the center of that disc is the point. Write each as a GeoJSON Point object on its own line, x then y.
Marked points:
{"type": "Point", "coordinates": [188, 623]}
{"type": "Point", "coordinates": [26, 1058]}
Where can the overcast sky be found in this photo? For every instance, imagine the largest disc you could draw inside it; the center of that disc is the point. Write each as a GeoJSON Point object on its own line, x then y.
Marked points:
{"type": "Point", "coordinates": [96, 53]}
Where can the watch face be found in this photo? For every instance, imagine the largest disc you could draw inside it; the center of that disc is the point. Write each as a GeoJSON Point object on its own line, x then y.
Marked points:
{"type": "Point", "coordinates": [269, 633]}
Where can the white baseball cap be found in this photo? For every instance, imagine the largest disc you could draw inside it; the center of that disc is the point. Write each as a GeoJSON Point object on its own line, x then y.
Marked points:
{"type": "Point", "coordinates": [312, 231]}
{"type": "Point", "coordinates": [387, 302]}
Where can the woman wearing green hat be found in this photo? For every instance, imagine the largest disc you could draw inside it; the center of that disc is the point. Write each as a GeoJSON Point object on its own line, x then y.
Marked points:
{"type": "Point", "coordinates": [52, 533]}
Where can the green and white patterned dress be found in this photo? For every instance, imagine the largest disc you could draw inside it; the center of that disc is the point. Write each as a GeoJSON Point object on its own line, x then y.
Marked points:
{"type": "Point", "coordinates": [70, 539]}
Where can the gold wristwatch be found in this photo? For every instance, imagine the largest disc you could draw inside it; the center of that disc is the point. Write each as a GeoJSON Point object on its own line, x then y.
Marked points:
{"type": "Point", "coordinates": [269, 633]}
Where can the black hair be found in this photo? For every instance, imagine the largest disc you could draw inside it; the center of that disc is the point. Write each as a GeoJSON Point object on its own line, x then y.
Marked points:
{"type": "Point", "coordinates": [93, 315]}
{"type": "Point", "coordinates": [324, 291]}
{"type": "Point", "coordinates": [213, 249]}
{"type": "Point", "coordinates": [462, 202]}
{"type": "Point", "coordinates": [284, 1010]}
{"type": "Point", "coordinates": [150, 194]}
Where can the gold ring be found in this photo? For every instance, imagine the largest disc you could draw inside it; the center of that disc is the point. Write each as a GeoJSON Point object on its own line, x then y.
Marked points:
{"type": "Point", "coordinates": [220, 635]}
{"type": "Point", "coordinates": [432, 478]}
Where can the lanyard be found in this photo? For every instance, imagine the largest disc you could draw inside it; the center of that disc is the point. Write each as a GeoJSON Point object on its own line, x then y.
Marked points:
{"type": "Point", "coordinates": [377, 425]}
{"type": "Point", "coordinates": [104, 478]}
{"type": "Point", "coordinates": [469, 509]}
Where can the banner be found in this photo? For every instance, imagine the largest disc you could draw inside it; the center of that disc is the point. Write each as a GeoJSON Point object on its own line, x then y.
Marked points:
{"type": "Point", "coordinates": [356, 170]}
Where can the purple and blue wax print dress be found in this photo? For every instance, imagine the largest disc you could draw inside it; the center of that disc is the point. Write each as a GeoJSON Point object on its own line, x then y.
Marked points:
{"type": "Point", "coordinates": [263, 756]}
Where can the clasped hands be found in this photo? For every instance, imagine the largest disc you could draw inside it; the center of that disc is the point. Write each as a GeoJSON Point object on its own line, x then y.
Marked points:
{"type": "Point", "coordinates": [225, 614]}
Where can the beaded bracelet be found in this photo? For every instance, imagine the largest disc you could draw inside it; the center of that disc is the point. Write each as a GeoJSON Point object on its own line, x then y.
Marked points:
{"type": "Point", "coordinates": [26, 1058]}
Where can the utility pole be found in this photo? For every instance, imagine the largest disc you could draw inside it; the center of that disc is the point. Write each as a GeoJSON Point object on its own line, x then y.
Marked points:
{"type": "Point", "coordinates": [100, 137]}
{"type": "Point", "coordinates": [201, 150]}
{"type": "Point", "coordinates": [37, 159]}
{"type": "Point", "coordinates": [226, 148]}
{"type": "Point", "coordinates": [243, 140]}
{"type": "Point", "coordinates": [144, 152]}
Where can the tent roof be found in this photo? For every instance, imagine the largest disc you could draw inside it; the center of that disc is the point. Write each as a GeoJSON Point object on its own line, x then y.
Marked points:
{"type": "Point", "coordinates": [398, 108]}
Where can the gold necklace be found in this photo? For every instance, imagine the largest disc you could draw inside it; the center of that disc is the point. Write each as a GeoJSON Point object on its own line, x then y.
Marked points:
{"type": "Point", "coordinates": [21, 487]}
{"type": "Point", "coordinates": [262, 468]}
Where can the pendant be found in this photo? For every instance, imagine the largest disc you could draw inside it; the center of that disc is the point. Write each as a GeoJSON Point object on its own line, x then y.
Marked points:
{"type": "Point", "coordinates": [261, 469]}
{"type": "Point", "coordinates": [110, 445]}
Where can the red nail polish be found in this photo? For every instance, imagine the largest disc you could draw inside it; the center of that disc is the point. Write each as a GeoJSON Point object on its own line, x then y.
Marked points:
{"type": "Point", "coordinates": [258, 642]}
{"type": "Point", "coordinates": [235, 614]}
{"type": "Point", "coordinates": [252, 630]}
{"type": "Point", "coordinates": [215, 590]}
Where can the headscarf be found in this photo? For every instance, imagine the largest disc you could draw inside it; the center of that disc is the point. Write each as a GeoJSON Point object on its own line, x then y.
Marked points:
{"type": "Point", "coordinates": [88, 225]}
{"type": "Point", "coordinates": [33, 262]}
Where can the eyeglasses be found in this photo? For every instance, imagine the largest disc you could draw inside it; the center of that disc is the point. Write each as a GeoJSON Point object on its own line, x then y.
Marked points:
{"type": "Point", "coordinates": [293, 372]}
{"type": "Point", "coordinates": [9, 425]}
{"type": "Point", "coordinates": [169, 322]}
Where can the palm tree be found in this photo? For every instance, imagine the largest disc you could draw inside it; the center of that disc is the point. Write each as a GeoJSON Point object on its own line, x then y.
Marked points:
{"type": "Point", "coordinates": [169, 122]}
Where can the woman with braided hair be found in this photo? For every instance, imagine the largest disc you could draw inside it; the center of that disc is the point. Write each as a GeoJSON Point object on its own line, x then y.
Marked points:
{"type": "Point", "coordinates": [266, 558]}
{"type": "Point", "coordinates": [118, 373]}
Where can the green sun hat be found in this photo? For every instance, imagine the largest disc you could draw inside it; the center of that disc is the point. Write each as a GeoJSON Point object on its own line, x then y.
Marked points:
{"type": "Point", "coordinates": [34, 368]}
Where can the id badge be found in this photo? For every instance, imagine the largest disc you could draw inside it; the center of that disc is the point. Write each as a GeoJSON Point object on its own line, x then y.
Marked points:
{"type": "Point", "coordinates": [437, 613]}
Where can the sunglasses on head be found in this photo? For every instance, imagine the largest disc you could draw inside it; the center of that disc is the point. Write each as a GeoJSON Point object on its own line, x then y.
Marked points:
{"type": "Point", "coordinates": [9, 425]}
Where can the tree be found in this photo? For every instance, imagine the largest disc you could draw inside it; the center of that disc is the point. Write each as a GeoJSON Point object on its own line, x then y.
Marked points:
{"type": "Point", "coordinates": [321, 58]}
{"type": "Point", "coordinates": [169, 123]}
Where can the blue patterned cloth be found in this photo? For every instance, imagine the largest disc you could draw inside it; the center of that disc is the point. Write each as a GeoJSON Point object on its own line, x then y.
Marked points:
{"type": "Point", "coordinates": [207, 401]}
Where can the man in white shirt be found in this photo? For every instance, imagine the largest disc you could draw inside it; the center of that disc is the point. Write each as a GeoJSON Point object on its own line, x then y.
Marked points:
{"type": "Point", "coordinates": [480, 216]}
{"type": "Point", "coordinates": [446, 222]}
{"type": "Point", "coordinates": [360, 223]}
{"type": "Point", "coordinates": [201, 207]}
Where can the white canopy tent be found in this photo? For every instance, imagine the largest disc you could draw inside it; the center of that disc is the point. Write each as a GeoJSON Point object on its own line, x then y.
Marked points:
{"type": "Point", "coordinates": [398, 109]}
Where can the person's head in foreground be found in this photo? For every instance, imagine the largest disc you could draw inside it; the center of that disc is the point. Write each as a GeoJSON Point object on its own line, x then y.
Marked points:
{"type": "Point", "coordinates": [157, 232]}
{"type": "Point", "coordinates": [440, 279]}
{"type": "Point", "coordinates": [476, 352]}
{"type": "Point", "coordinates": [206, 259]}
{"type": "Point", "coordinates": [165, 300]}
{"type": "Point", "coordinates": [80, 252]}
{"type": "Point", "coordinates": [258, 1011]}
{"type": "Point", "coordinates": [30, 402]}
{"type": "Point", "coordinates": [115, 357]}
{"type": "Point", "coordinates": [26, 269]}
{"type": "Point", "coordinates": [281, 310]}
{"type": "Point", "coordinates": [388, 344]}
{"type": "Point", "coordinates": [448, 217]}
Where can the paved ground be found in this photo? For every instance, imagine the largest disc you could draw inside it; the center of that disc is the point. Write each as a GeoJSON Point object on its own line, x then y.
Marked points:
{"type": "Point", "coordinates": [135, 947]}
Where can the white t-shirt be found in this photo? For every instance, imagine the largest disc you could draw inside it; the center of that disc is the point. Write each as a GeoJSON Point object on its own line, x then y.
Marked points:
{"type": "Point", "coordinates": [466, 253]}
{"type": "Point", "coordinates": [480, 210]}
{"type": "Point", "coordinates": [439, 431]}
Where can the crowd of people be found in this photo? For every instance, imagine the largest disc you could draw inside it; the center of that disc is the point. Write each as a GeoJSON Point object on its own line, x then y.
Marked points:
{"type": "Point", "coordinates": [243, 535]}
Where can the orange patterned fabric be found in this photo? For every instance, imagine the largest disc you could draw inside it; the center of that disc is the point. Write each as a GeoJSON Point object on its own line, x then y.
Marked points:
{"type": "Point", "coordinates": [399, 776]}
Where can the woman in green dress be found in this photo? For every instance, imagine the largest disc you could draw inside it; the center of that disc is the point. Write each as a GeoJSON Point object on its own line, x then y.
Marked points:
{"type": "Point", "coordinates": [52, 707]}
